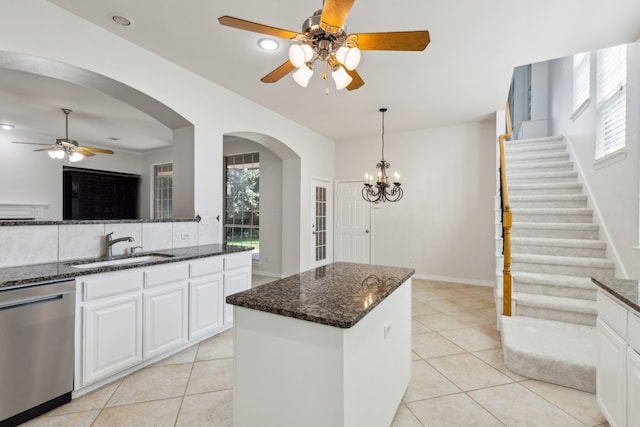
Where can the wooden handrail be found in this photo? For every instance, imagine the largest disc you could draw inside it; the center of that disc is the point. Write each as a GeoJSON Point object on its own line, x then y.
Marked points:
{"type": "Point", "coordinates": [507, 220]}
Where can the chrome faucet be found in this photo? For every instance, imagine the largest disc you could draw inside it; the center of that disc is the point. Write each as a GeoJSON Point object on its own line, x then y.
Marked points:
{"type": "Point", "coordinates": [109, 242]}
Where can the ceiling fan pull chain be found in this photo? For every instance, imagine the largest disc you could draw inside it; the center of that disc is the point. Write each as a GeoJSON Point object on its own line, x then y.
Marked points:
{"type": "Point", "coordinates": [324, 77]}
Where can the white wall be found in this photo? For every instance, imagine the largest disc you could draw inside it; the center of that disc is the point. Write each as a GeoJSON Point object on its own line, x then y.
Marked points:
{"type": "Point", "coordinates": [270, 204]}
{"type": "Point", "coordinates": [613, 186]}
{"type": "Point", "coordinates": [213, 110]}
{"type": "Point", "coordinates": [443, 226]}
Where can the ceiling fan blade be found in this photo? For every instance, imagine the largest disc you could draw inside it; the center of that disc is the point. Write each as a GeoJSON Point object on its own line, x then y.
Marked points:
{"type": "Point", "coordinates": [278, 73]}
{"type": "Point", "coordinates": [50, 148]}
{"type": "Point", "coordinates": [241, 24]}
{"type": "Point", "coordinates": [403, 40]}
{"type": "Point", "coordinates": [93, 149]}
{"type": "Point", "coordinates": [357, 81]}
{"type": "Point", "coordinates": [334, 13]}
{"type": "Point", "coordinates": [30, 143]}
{"type": "Point", "coordinates": [84, 152]}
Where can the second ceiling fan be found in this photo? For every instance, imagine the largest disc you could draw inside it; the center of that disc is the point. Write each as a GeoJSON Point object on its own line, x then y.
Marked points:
{"type": "Point", "coordinates": [324, 38]}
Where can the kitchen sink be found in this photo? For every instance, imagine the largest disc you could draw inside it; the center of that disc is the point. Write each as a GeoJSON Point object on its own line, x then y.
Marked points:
{"type": "Point", "coordinates": [137, 259]}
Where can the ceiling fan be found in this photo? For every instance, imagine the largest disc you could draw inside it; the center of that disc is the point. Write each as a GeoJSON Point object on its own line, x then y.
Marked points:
{"type": "Point", "coordinates": [66, 148]}
{"type": "Point", "coordinates": [324, 38]}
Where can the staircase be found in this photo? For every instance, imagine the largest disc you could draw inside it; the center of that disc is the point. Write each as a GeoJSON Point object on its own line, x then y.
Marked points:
{"type": "Point", "coordinates": [555, 252]}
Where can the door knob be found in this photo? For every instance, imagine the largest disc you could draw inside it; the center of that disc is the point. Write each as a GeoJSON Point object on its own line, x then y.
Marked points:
{"type": "Point", "coordinates": [366, 231]}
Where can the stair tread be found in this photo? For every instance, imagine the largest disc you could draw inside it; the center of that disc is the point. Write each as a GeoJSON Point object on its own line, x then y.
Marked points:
{"type": "Point", "coordinates": [535, 155]}
{"type": "Point", "coordinates": [548, 197]}
{"type": "Point", "coordinates": [563, 260]}
{"type": "Point", "coordinates": [557, 225]}
{"type": "Point", "coordinates": [551, 185]}
{"type": "Point", "coordinates": [556, 174]}
{"type": "Point", "coordinates": [543, 211]}
{"type": "Point", "coordinates": [550, 241]}
{"type": "Point", "coordinates": [515, 142]}
{"type": "Point", "coordinates": [554, 280]}
{"type": "Point", "coordinates": [550, 338]}
{"type": "Point", "coordinates": [550, 302]}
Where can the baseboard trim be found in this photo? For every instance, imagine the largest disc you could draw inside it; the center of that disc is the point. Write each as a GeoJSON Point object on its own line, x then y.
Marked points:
{"type": "Point", "coordinates": [454, 280]}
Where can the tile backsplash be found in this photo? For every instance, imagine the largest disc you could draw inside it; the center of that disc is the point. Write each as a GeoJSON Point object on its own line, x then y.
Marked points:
{"type": "Point", "coordinates": [26, 244]}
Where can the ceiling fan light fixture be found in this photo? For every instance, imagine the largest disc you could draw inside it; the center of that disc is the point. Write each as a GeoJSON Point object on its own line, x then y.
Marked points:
{"type": "Point", "coordinates": [349, 57]}
{"type": "Point", "coordinates": [303, 75]}
{"type": "Point", "coordinates": [6, 126]}
{"type": "Point", "coordinates": [300, 54]}
{"type": "Point", "coordinates": [341, 78]}
{"type": "Point", "coordinates": [75, 157]}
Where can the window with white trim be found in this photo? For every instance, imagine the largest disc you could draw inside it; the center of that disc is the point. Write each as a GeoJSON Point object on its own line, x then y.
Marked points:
{"type": "Point", "coordinates": [611, 99]}
{"type": "Point", "coordinates": [163, 191]}
{"type": "Point", "coordinates": [581, 79]}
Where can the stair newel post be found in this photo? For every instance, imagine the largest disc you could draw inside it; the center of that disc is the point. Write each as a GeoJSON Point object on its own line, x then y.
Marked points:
{"type": "Point", "coordinates": [506, 278]}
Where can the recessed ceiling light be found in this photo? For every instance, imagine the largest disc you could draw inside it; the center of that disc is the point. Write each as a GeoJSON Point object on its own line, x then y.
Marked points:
{"type": "Point", "coordinates": [121, 20]}
{"type": "Point", "coordinates": [268, 44]}
{"type": "Point", "coordinates": [6, 126]}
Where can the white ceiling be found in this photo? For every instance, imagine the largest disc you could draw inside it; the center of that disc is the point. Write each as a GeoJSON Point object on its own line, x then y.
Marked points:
{"type": "Point", "coordinates": [462, 76]}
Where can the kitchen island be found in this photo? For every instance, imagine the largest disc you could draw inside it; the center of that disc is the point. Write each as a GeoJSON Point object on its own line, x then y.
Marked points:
{"type": "Point", "coordinates": [327, 347]}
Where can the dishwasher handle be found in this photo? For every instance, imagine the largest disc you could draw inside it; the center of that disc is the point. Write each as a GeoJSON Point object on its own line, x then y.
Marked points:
{"type": "Point", "coordinates": [35, 294]}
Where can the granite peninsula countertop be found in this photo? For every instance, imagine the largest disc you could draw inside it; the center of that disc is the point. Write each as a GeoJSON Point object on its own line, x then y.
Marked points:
{"type": "Point", "coordinates": [27, 275]}
{"type": "Point", "coordinates": [338, 294]}
{"type": "Point", "coordinates": [624, 290]}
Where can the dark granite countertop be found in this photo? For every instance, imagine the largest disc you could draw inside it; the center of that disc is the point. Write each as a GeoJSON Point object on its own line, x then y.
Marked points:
{"type": "Point", "coordinates": [16, 222]}
{"type": "Point", "coordinates": [338, 294]}
{"type": "Point", "coordinates": [28, 275]}
{"type": "Point", "coordinates": [625, 290]}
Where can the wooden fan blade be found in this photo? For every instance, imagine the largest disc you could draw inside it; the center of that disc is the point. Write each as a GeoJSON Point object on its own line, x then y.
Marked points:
{"type": "Point", "coordinates": [278, 73]}
{"type": "Point", "coordinates": [357, 81]}
{"type": "Point", "coordinates": [84, 152]}
{"type": "Point", "coordinates": [334, 13]}
{"type": "Point", "coordinates": [51, 148]}
{"type": "Point", "coordinates": [93, 149]}
{"type": "Point", "coordinates": [404, 40]}
{"type": "Point", "coordinates": [241, 24]}
{"type": "Point", "coordinates": [30, 143]}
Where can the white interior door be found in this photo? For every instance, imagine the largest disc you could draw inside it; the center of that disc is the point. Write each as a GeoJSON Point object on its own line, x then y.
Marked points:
{"type": "Point", "coordinates": [321, 222]}
{"type": "Point", "coordinates": [353, 224]}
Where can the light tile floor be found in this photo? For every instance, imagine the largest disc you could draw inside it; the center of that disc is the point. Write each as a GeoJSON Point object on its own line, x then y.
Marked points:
{"type": "Point", "coordinates": [458, 378]}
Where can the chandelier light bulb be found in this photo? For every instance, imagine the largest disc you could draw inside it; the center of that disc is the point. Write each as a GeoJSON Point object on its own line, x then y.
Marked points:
{"type": "Point", "coordinates": [303, 75]}
{"type": "Point", "coordinates": [349, 57]}
{"type": "Point", "coordinates": [341, 78]}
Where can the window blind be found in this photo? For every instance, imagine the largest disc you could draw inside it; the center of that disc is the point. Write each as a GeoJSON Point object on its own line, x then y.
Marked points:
{"type": "Point", "coordinates": [581, 79]}
{"type": "Point", "coordinates": [611, 99]}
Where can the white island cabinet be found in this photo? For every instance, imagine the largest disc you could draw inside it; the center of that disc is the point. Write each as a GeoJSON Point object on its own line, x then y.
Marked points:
{"type": "Point", "coordinates": [618, 343]}
{"type": "Point", "coordinates": [327, 347]}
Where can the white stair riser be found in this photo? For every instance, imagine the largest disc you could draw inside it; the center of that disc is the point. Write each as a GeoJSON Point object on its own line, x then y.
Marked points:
{"type": "Point", "coordinates": [558, 315]}
{"type": "Point", "coordinates": [555, 290]}
{"type": "Point", "coordinates": [536, 157]}
{"type": "Point", "coordinates": [532, 179]}
{"type": "Point", "coordinates": [531, 145]}
{"type": "Point", "coordinates": [549, 203]}
{"type": "Point", "coordinates": [538, 167]}
{"type": "Point", "coordinates": [566, 270]}
{"type": "Point", "coordinates": [535, 148]}
{"type": "Point", "coordinates": [555, 234]}
{"type": "Point", "coordinates": [541, 191]}
{"type": "Point", "coordinates": [558, 250]}
{"type": "Point", "coordinates": [553, 217]}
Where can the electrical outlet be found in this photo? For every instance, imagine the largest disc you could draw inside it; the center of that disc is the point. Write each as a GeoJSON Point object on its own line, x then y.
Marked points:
{"type": "Point", "coordinates": [185, 236]}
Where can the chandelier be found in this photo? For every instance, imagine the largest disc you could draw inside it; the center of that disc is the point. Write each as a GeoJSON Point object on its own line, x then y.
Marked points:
{"type": "Point", "coordinates": [381, 190]}
{"type": "Point", "coordinates": [326, 43]}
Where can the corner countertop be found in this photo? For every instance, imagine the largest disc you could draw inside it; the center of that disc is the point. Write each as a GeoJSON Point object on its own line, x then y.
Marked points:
{"type": "Point", "coordinates": [624, 290]}
{"type": "Point", "coordinates": [338, 294]}
{"type": "Point", "coordinates": [28, 275]}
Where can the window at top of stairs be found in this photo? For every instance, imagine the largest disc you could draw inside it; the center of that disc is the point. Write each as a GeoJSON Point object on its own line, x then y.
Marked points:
{"type": "Point", "coordinates": [581, 82]}
{"type": "Point", "coordinates": [611, 98]}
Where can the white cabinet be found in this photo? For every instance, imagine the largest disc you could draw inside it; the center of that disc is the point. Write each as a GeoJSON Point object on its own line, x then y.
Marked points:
{"type": "Point", "coordinates": [166, 306]}
{"type": "Point", "coordinates": [633, 388]}
{"type": "Point", "coordinates": [205, 297]}
{"type": "Point", "coordinates": [618, 362]}
{"type": "Point", "coordinates": [611, 374]}
{"type": "Point", "coordinates": [237, 278]}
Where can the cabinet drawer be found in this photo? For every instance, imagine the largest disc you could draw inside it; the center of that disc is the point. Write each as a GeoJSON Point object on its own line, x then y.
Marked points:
{"type": "Point", "coordinates": [242, 259]}
{"type": "Point", "coordinates": [633, 332]}
{"type": "Point", "coordinates": [161, 275]}
{"type": "Point", "coordinates": [205, 266]}
{"type": "Point", "coordinates": [103, 285]}
{"type": "Point", "coordinates": [612, 313]}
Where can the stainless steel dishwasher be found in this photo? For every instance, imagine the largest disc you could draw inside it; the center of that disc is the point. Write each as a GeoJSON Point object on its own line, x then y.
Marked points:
{"type": "Point", "coordinates": [37, 325]}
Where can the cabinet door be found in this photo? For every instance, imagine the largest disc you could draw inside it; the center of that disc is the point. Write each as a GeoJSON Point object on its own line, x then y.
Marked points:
{"type": "Point", "coordinates": [633, 388]}
{"type": "Point", "coordinates": [165, 319]}
{"type": "Point", "coordinates": [112, 336]}
{"type": "Point", "coordinates": [234, 281]}
{"type": "Point", "coordinates": [205, 305]}
{"type": "Point", "coordinates": [611, 373]}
